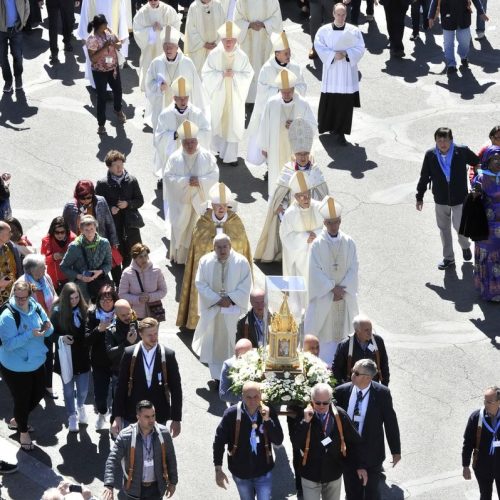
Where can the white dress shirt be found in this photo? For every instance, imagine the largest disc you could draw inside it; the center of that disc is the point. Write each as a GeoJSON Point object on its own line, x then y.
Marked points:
{"type": "Point", "coordinates": [148, 361]}
{"type": "Point", "coordinates": [362, 407]}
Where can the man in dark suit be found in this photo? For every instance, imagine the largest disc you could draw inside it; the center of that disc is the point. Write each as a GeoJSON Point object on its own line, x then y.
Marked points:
{"type": "Point", "coordinates": [395, 12]}
{"type": "Point", "coordinates": [251, 326]}
{"type": "Point", "coordinates": [445, 168]}
{"type": "Point", "coordinates": [363, 344]}
{"type": "Point", "coordinates": [369, 405]}
{"type": "Point", "coordinates": [148, 370]}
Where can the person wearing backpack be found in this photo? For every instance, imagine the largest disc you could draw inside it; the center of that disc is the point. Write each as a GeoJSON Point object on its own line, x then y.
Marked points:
{"type": "Point", "coordinates": [23, 327]}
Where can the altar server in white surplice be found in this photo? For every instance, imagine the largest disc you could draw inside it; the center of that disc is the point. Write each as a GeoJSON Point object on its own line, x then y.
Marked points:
{"type": "Point", "coordinates": [301, 224]}
{"type": "Point", "coordinates": [267, 87]}
{"type": "Point", "coordinates": [115, 11]}
{"type": "Point", "coordinates": [278, 115]}
{"type": "Point", "coordinates": [333, 283]}
{"type": "Point", "coordinates": [301, 135]}
{"type": "Point", "coordinates": [188, 176]}
{"type": "Point", "coordinates": [149, 24]}
{"type": "Point", "coordinates": [203, 20]}
{"type": "Point", "coordinates": [224, 281]}
{"type": "Point", "coordinates": [227, 75]}
{"type": "Point", "coordinates": [163, 70]}
{"type": "Point", "coordinates": [340, 47]}
{"type": "Point", "coordinates": [166, 140]}
{"type": "Point", "coordinates": [257, 20]}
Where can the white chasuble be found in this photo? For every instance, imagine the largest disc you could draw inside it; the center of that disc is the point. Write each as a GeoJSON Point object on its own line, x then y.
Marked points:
{"type": "Point", "coordinates": [150, 41]}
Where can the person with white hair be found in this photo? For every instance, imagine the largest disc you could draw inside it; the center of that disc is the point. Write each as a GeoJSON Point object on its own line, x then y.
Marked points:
{"type": "Point", "coordinates": [281, 58]}
{"type": "Point", "coordinates": [227, 74]}
{"type": "Point", "coordinates": [328, 441]}
{"type": "Point", "coordinates": [301, 135]}
{"type": "Point", "coordinates": [300, 226]}
{"type": "Point", "coordinates": [189, 175]}
{"type": "Point", "coordinates": [362, 344]}
{"type": "Point", "coordinates": [332, 282]}
{"type": "Point", "coordinates": [223, 281]}
{"type": "Point", "coordinates": [279, 113]}
{"type": "Point", "coordinates": [162, 72]}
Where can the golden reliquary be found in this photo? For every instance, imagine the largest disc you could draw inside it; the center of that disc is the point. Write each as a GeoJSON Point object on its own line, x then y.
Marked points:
{"type": "Point", "coordinates": [283, 340]}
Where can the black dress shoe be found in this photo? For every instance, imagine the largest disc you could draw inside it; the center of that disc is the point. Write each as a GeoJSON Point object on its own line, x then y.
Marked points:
{"type": "Point", "coordinates": [54, 59]}
{"type": "Point", "coordinates": [451, 70]}
{"type": "Point", "coordinates": [467, 254]}
{"type": "Point", "coordinates": [342, 140]}
{"type": "Point", "coordinates": [68, 48]}
{"type": "Point", "coordinates": [159, 184]}
{"type": "Point", "coordinates": [6, 468]}
{"type": "Point", "coordinates": [464, 63]}
{"type": "Point", "coordinates": [445, 264]}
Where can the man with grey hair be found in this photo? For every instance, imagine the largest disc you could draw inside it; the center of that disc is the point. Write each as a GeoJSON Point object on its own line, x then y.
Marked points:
{"type": "Point", "coordinates": [223, 281]}
{"type": "Point", "coordinates": [251, 326]}
{"type": "Point", "coordinates": [481, 440]}
{"type": "Point", "coordinates": [328, 441]}
{"type": "Point", "coordinates": [369, 406]}
{"type": "Point", "coordinates": [362, 344]}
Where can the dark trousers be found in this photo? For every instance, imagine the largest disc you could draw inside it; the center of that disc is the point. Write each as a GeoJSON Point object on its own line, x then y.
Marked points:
{"type": "Point", "coordinates": [354, 487]}
{"type": "Point", "coordinates": [321, 13]}
{"type": "Point", "coordinates": [49, 361]}
{"type": "Point", "coordinates": [297, 457]}
{"type": "Point", "coordinates": [67, 10]}
{"type": "Point", "coordinates": [415, 15]}
{"type": "Point", "coordinates": [150, 492]}
{"type": "Point", "coordinates": [14, 39]}
{"type": "Point", "coordinates": [127, 239]}
{"type": "Point", "coordinates": [102, 79]}
{"type": "Point", "coordinates": [27, 389]}
{"type": "Point", "coordinates": [102, 379]}
{"type": "Point", "coordinates": [355, 6]}
{"type": "Point", "coordinates": [485, 479]}
{"type": "Point", "coordinates": [395, 12]}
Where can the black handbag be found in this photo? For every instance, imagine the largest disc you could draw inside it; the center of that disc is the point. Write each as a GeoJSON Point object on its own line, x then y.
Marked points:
{"type": "Point", "coordinates": [94, 286]}
{"type": "Point", "coordinates": [156, 309]}
{"type": "Point", "coordinates": [474, 223]}
{"type": "Point", "coordinates": [133, 219]}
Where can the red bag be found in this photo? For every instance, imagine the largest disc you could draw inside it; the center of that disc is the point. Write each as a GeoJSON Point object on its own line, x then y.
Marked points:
{"type": "Point", "coordinates": [116, 257]}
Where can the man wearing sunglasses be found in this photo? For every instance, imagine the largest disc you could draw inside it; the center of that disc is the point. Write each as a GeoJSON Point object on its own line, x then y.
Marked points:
{"type": "Point", "coordinates": [369, 406]}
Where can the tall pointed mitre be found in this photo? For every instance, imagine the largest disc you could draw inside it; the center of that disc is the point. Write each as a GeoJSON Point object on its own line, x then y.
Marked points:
{"type": "Point", "coordinates": [329, 208]}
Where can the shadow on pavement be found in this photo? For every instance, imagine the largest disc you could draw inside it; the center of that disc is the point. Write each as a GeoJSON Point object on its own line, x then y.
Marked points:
{"type": "Point", "coordinates": [487, 57]}
{"type": "Point", "coordinates": [15, 110]}
{"type": "Point", "coordinates": [215, 405]}
{"type": "Point", "coordinates": [375, 40]}
{"type": "Point", "coordinates": [242, 182]}
{"type": "Point", "coordinates": [34, 44]}
{"type": "Point", "coordinates": [464, 83]}
{"type": "Point", "coordinates": [67, 71]}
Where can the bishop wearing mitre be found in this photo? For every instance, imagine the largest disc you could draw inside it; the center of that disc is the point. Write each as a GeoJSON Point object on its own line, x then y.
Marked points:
{"type": "Point", "coordinates": [219, 218]}
{"type": "Point", "coordinates": [190, 173]}
{"type": "Point", "coordinates": [224, 281]}
{"type": "Point", "coordinates": [301, 224]}
{"type": "Point", "coordinates": [279, 113]}
{"type": "Point", "coordinates": [257, 20]}
{"type": "Point", "coordinates": [301, 135]}
{"type": "Point", "coordinates": [203, 20]}
{"type": "Point", "coordinates": [166, 139]}
{"type": "Point", "coordinates": [163, 71]}
{"type": "Point", "coordinates": [333, 282]}
{"type": "Point", "coordinates": [149, 24]}
{"type": "Point", "coordinates": [227, 75]}
{"type": "Point", "coordinates": [280, 59]}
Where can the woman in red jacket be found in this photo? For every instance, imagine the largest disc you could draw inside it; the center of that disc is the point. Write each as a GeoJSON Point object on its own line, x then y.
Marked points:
{"type": "Point", "coordinates": [54, 246]}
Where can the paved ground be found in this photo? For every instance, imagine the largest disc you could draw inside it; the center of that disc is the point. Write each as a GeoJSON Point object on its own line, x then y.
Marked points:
{"type": "Point", "coordinates": [441, 340]}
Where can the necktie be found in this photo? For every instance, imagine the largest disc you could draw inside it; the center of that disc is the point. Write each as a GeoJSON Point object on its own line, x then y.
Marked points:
{"type": "Point", "coordinates": [359, 399]}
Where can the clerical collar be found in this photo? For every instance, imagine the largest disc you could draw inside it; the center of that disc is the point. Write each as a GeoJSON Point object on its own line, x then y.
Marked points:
{"type": "Point", "coordinates": [303, 168]}
{"type": "Point", "coordinates": [287, 103]}
{"type": "Point", "coordinates": [219, 221]}
{"type": "Point", "coordinates": [338, 28]}
{"type": "Point", "coordinates": [333, 236]}
{"type": "Point", "coordinates": [283, 65]}
{"type": "Point", "coordinates": [172, 60]}
{"type": "Point", "coordinates": [181, 111]}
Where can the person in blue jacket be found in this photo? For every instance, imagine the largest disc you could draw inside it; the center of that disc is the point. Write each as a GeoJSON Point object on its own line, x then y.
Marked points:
{"type": "Point", "coordinates": [23, 327]}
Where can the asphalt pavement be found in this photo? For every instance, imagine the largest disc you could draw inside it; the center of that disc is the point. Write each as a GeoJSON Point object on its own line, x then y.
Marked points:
{"type": "Point", "coordinates": [441, 339]}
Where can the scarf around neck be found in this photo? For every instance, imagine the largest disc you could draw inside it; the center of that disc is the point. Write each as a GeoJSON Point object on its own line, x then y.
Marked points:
{"type": "Point", "coordinates": [445, 163]}
{"type": "Point", "coordinates": [43, 286]}
{"type": "Point", "coordinates": [89, 245]}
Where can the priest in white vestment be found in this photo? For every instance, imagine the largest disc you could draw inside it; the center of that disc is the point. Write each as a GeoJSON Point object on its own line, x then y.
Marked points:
{"type": "Point", "coordinates": [267, 87]}
{"type": "Point", "coordinates": [224, 281]}
{"type": "Point", "coordinates": [227, 75]}
{"type": "Point", "coordinates": [166, 139]}
{"type": "Point", "coordinates": [340, 47]}
{"type": "Point", "coordinates": [188, 177]}
{"type": "Point", "coordinates": [203, 20]}
{"type": "Point", "coordinates": [115, 12]}
{"type": "Point", "coordinates": [149, 24]}
{"type": "Point", "coordinates": [333, 283]}
{"type": "Point", "coordinates": [257, 20]}
{"type": "Point", "coordinates": [301, 135]}
{"type": "Point", "coordinates": [279, 113]}
{"type": "Point", "coordinates": [300, 225]}
{"type": "Point", "coordinates": [228, 6]}
{"type": "Point", "coordinates": [163, 70]}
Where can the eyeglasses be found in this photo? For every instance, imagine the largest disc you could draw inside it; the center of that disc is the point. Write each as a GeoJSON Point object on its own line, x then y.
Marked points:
{"type": "Point", "coordinates": [359, 374]}
{"type": "Point", "coordinates": [21, 299]}
{"type": "Point", "coordinates": [322, 403]}
{"type": "Point", "coordinates": [60, 231]}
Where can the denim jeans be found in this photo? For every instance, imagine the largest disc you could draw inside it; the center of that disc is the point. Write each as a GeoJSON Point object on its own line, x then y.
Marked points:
{"type": "Point", "coordinates": [260, 486]}
{"type": "Point", "coordinates": [463, 39]}
{"type": "Point", "coordinates": [14, 39]}
{"type": "Point", "coordinates": [479, 22]}
{"type": "Point", "coordinates": [81, 382]}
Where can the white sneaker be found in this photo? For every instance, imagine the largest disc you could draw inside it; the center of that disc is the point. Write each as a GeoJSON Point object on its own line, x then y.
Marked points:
{"type": "Point", "coordinates": [82, 415]}
{"type": "Point", "coordinates": [101, 422]}
{"type": "Point", "coordinates": [73, 424]}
